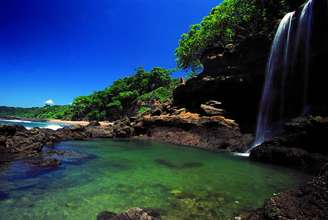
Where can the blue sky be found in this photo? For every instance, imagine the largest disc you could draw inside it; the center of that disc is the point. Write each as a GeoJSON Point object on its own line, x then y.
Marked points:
{"type": "Point", "coordinates": [60, 49]}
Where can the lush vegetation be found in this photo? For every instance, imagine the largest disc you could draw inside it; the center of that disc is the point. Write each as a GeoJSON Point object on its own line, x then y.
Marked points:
{"type": "Point", "coordinates": [229, 23]}
{"type": "Point", "coordinates": [46, 112]}
{"type": "Point", "coordinates": [125, 97]}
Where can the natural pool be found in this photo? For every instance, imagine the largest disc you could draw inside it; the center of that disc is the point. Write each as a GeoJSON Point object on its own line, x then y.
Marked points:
{"type": "Point", "coordinates": [182, 183]}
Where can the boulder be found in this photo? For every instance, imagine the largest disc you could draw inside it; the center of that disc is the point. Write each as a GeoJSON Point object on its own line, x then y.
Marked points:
{"type": "Point", "coordinates": [123, 128]}
{"type": "Point", "coordinates": [302, 145]}
{"type": "Point", "coordinates": [210, 110]}
{"type": "Point", "coordinates": [192, 129]}
{"type": "Point", "coordinates": [131, 214]}
{"type": "Point", "coordinates": [303, 203]}
{"type": "Point", "coordinates": [93, 124]}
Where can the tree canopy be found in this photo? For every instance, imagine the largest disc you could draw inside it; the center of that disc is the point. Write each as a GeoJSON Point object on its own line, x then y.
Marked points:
{"type": "Point", "coordinates": [230, 22]}
{"type": "Point", "coordinates": [121, 98]}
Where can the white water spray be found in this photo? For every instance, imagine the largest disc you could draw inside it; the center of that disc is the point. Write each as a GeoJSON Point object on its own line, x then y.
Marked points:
{"type": "Point", "coordinates": [287, 45]}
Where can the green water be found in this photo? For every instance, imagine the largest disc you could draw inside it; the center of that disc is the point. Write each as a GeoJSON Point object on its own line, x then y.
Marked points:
{"type": "Point", "coordinates": [182, 183]}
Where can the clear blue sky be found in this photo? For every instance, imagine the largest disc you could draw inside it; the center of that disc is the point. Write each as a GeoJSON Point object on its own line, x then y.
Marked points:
{"type": "Point", "coordinates": [60, 49]}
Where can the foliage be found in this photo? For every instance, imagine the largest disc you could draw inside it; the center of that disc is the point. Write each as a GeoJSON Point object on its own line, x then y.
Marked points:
{"type": "Point", "coordinates": [121, 98]}
{"type": "Point", "coordinates": [160, 94]}
{"type": "Point", "coordinates": [46, 112]}
{"type": "Point", "coordinates": [143, 109]}
{"type": "Point", "coordinates": [230, 22]}
{"type": "Point", "coordinates": [118, 100]}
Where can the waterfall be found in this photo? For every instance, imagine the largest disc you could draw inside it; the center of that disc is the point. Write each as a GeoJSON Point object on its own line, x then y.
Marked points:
{"type": "Point", "coordinates": [290, 49]}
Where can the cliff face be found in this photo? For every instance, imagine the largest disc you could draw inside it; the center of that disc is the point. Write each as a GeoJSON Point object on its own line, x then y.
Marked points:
{"type": "Point", "coordinates": [178, 126]}
{"type": "Point", "coordinates": [302, 145]}
{"type": "Point", "coordinates": [233, 75]}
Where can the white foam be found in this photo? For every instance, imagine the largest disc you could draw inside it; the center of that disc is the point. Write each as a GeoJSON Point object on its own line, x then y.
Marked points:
{"type": "Point", "coordinates": [15, 121]}
{"type": "Point", "coordinates": [53, 127]}
{"type": "Point", "coordinates": [242, 154]}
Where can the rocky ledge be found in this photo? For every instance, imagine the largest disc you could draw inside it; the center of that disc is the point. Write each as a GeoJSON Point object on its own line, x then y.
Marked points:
{"type": "Point", "coordinates": [178, 126]}
{"type": "Point", "coordinates": [303, 203]}
{"type": "Point", "coordinates": [17, 142]}
{"type": "Point", "coordinates": [302, 145]}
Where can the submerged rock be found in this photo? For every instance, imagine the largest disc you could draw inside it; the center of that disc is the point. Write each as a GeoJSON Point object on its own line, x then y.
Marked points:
{"type": "Point", "coordinates": [105, 215]}
{"type": "Point", "coordinates": [204, 205]}
{"type": "Point", "coordinates": [178, 166]}
{"type": "Point", "coordinates": [131, 214]}
{"type": "Point", "coordinates": [47, 163]}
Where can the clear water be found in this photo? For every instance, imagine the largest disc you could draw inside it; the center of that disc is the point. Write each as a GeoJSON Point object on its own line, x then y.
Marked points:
{"type": "Point", "coordinates": [182, 183]}
{"type": "Point", "coordinates": [32, 124]}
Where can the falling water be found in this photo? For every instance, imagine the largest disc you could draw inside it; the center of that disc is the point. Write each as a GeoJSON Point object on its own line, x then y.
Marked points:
{"type": "Point", "coordinates": [303, 38]}
{"type": "Point", "coordinates": [290, 43]}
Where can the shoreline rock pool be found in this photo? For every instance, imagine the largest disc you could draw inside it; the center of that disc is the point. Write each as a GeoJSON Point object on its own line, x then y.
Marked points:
{"type": "Point", "coordinates": [114, 175]}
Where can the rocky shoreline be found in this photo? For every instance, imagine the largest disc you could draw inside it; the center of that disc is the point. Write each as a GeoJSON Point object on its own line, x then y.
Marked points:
{"type": "Point", "coordinates": [303, 203]}
{"type": "Point", "coordinates": [294, 148]}
{"type": "Point", "coordinates": [214, 111]}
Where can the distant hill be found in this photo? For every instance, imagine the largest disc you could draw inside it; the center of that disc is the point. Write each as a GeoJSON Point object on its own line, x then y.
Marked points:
{"type": "Point", "coordinates": [125, 97]}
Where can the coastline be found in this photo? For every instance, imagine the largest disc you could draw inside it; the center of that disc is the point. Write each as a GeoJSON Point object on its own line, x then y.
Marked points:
{"type": "Point", "coordinates": [57, 121]}
{"type": "Point", "coordinates": [78, 123]}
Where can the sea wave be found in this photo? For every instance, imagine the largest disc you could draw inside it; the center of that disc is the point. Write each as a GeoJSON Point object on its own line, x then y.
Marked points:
{"type": "Point", "coordinates": [15, 121]}
{"type": "Point", "coordinates": [53, 127]}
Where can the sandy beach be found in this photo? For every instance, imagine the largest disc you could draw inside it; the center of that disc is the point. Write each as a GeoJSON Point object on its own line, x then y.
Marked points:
{"type": "Point", "coordinates": [83, 123]}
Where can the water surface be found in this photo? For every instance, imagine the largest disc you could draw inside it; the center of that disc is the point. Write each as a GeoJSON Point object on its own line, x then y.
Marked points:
{"type": "Point", "coordinates": [182, 183]}
{"type": "Point", "coordinates": [32, 124]}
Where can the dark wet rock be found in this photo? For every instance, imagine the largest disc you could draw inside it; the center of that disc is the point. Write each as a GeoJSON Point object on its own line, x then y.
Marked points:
{"type": "Point", "coordinates": [123, 128]}
{"type": "Point", "coordinates": [291, 157]}
{"type": "Point", "coordinates": [105, 215]}
{"type": "Point", "coordinates": [100, 132]}
{"type": "Point", "coordinates": [302, 145]}
{"type": "Point", "coordinates": [233, 75]}
{"type": "Point", "coordinates": [131, 214]}
{"type": "Point", "coordinates": [303, 203]}
{"type": "Point", "coordinates": [18, 143]}
{"type": "Point", "coordinates": [16, 139]}
{"type": "Point", "coordinates": [178, 166]}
